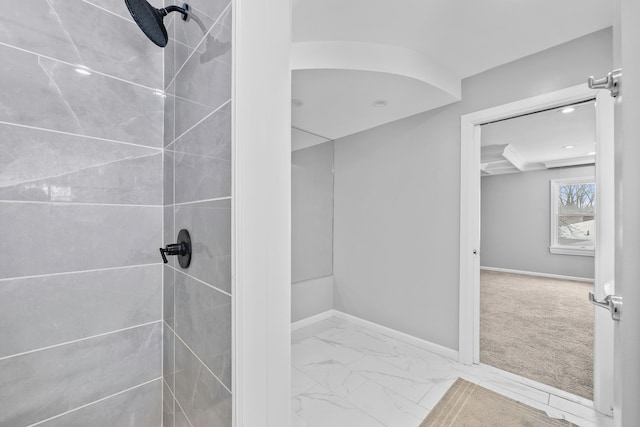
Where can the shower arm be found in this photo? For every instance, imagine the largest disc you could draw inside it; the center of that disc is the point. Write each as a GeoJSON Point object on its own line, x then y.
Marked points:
{"type": "Point", "coordinates": [183, 10]}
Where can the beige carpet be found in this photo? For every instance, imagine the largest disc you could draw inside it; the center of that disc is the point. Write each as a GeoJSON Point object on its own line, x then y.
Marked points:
{"type": "Point", "coordinates": [539, 328]}
{"type": "Point", "coordinates": [468, 405]}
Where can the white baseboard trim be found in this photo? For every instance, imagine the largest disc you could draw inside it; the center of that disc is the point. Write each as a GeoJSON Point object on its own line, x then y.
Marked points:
{"type": "Point", "coordinates": [400, 336]}
{"type": "Point", "coordinates": [312, 319]}
{"type": "Point", "coordinates": [531, 273]}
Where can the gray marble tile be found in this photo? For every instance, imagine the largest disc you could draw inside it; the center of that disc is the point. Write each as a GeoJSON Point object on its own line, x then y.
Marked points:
{"type": "Point", "coordinates": [139, 407]}
{"type": "Point", "coordinates": [167, 407]}
{"type": "Point", "coordinates": [117, 6]}
{"type": "Point", "coordinates": [207, 11]}
{"type": "Point", "coordinates": [204, 82]}
{"type": "Point", "coordinates": [201, 178]}
{"type": "Point", "coordinates": [48, 94]}
{"type": "Point", "coordinates": [209, 224]}
{"type": "Point", "coordinates": [168, 234]}
{"type": "Point", "coordinates": [38, 165]}
{"type": "Point", "coordinates": [169, 118]}
{"type": "Point", "coordinates": [170, 51]}
{"type": "Point", "coordinates": [168, 177]}
{"type": "Point", "coordinates": [63, 378]}
{"type": "Point", "coordinates": [204, 400]}
{"type": "Point", "coordinates": [203, 159]}
{"type": "Point", "coordinates": [181, 54]}
{"type": "Point", "coordinates": [80, 33]}
{"type": "Point", "coordinates": [191, 32]}
{"type": "Point", "coordinates": [181, 419]}
{"type": "Point", "coordinates": [43, 238]}
{"type": "Point", "coordinates": [169, 292]}
{"type": "Point", "coordinates": [203, 321]}
{"type": "Point", "coordinates": [61, 308]}
{"type": "Point", "coordinates": [167, 357]}
{"type": "Point", "coordinates": [210, 138]}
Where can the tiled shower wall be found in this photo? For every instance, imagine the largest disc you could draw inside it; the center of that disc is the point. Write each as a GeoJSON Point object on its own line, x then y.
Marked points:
{"type": "Point", "coordinates": [197, 196]}
{"type": "Point", "coordinates": [80, 217]}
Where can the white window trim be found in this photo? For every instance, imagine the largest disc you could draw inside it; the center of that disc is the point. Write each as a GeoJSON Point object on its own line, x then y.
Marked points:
{"type": "Point", "coordinates": [554, 248]}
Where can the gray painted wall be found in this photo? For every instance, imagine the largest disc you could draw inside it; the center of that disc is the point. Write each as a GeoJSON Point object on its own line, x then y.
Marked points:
{"type": "Point", "coordinates": [81, 215]}
{"type": "Point", "coordinates": [197, 196]}
{"type": "Point", "coordinates": [311, 230]}
{"type": "Point", "coordinates": [312, 212]}
{"type": "Point", "coordinates": [397, 190]}
{"type": "Point", "coordinates": [519, 205]}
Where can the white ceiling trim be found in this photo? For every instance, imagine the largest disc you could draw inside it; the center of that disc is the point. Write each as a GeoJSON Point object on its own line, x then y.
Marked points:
{"type": "Point", "coordinates": [375, 57]}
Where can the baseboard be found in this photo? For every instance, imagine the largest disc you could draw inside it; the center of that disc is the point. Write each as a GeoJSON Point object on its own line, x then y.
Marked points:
{"type": "Point", "coordinates": [400, 336]}
{"type": "Point", "coordinates": [531, 273]}
{"type": "Point", "coordinates": [312, 319]}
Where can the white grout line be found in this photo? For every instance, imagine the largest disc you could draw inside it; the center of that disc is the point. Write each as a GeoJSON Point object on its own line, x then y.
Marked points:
{"type": "Point", "coordinates": [107, 10]}
{"type": "Point", "coordinates": [94, 402]}
{"type": "Point", "coordinates": [76, 272]}
{"type": "Point", "coordinates": [202, 282]}
{"type": "Point", "coordinates": [183, 412]}
{"type": "Point", "coordinates": [38, 202]}
{"type": "Point", "coordinates": [97, 138]}
{"type": "Point", "coordinates": [220, 107]}
{"type": "Point", "coordinates": [203, 364]}
{"type": "Point", "coordinates": [78, 340]}
{"type": "Point", "coordinates": [195, 49]}
{"type": "Point", "coordinates": [217, 199]}
{"type": "Point", "coordinates": [75, 65]}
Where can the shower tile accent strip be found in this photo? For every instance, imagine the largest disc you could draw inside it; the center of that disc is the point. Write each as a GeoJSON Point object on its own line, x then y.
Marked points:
{"type": "Point", "coordinates": [197, 196]}
{"type": "Point", "coordinates": [81, 198]}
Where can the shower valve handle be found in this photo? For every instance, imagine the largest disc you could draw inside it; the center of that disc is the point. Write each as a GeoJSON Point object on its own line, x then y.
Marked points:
{"type": "Point", "coordinates": [173, 249]}
{"type": "Point", "coordinates": [182, 249]}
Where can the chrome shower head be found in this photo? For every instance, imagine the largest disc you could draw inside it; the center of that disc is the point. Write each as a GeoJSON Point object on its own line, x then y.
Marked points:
{"type": "Point", "coordinates": [150, 19]}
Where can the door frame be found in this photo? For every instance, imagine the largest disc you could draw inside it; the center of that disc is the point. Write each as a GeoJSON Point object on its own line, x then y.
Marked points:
{"type": "Point", "coordinates": [469, 304]}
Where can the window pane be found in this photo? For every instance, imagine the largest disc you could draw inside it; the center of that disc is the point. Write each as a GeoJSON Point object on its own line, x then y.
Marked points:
{"type": "Point", "coordinates": [577, 199]}
{"type": "Point", "coordinates": [576, 230]}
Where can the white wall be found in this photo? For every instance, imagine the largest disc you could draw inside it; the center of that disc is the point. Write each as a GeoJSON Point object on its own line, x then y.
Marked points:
{"type": "Point", "coordinates": [515, 229]}
{"type": "Point", "coordinates": [311, 231]}
{"type": "Point", "coordinates": [397, 189]}
{"type": "Point", "coordinates": [312, 212]}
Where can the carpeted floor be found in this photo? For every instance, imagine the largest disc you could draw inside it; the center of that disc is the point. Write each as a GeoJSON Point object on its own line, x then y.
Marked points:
{"type": "Point", "coordinates": [539, 328]}
{"type": "Point", "coordinates": [468, 405]}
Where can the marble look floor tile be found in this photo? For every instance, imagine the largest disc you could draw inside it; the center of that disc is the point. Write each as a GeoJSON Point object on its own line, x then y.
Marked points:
{"type": "Point", "coordinates": [393, 378]}
{"type": "Point", "coordinates": [336, 377]}
{"type": "Point", "coordinates": [403, 382]}
{"type": "Point", "coordinates": [313, 352]}
{"type": "Point", "coordinates": [386, 406]}
{"type": "Point", "coordinates": [312, 330]}
{"type": "Point", "coordinates": [321, 408]}
{"type": "Point", "coordinates": [300, 382]}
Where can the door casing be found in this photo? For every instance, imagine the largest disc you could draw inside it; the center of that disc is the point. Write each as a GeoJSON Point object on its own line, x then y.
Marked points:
{"type": "Point", "coordinates": [469, 329]}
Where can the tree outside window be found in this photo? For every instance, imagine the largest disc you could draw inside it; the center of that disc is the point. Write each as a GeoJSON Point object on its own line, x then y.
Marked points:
{"type": "Point", "coordinates": [573, 214]}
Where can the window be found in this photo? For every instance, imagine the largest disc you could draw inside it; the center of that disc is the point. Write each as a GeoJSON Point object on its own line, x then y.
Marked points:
{"type": "Point", "coordinates": [573, 214]}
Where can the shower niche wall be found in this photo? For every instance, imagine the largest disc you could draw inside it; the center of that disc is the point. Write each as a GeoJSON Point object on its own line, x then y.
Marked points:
{"type": "Point", "coordinates": [109, 145]}
{"type": "Point", "coordinates": [197, 197]}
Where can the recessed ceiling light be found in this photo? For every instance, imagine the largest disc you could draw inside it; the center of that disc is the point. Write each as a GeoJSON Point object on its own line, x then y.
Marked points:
{"type": "Point", "coordinates": [160, 93]}
{"type": "Point", "coordinates": [380, 103]}
{"type": "Point", "coordinates": [297, 103]}
{"type": "Point", "coordinates": [81, 69]}
{"type": "Point", "coordinates": [568, 110]}
{"type": "Point", "coordinates": [593, 153]}
{"type": "Point", "coordinates": [569, 147]}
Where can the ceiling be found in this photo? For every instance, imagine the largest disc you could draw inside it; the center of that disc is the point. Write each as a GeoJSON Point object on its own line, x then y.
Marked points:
{"type": "Point", "coordinates": [413, 54]}
{"type": "Point", "coordinates": [540, 141]}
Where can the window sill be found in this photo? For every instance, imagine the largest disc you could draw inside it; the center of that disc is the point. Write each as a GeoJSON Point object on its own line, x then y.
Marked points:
{"type": "Point", "coordinates": [572, 251]}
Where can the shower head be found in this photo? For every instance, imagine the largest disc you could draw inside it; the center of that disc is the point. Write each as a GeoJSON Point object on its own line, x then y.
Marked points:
{"type": "Point", "coordinates": [149, 19]}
